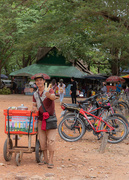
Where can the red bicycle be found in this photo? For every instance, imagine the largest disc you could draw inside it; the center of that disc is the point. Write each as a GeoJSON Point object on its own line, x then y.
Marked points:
{"type": "Point", "coordinates": [73, 126]}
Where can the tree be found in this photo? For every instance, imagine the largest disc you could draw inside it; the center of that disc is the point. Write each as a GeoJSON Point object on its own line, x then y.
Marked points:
{"type": "Point", "coordinates": [93, 30]}
{"type": "Point", "coordinates": [78, 26]}
{"type": "Point", "coordinates": [16, 17]}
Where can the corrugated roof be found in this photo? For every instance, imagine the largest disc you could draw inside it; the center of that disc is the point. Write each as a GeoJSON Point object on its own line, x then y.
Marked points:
{"type": "Point", "coordinates": [51, 70]}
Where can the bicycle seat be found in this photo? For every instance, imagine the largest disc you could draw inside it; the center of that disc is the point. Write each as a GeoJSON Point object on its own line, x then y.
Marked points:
{"type": "Point", "coordinates": [88, 99]}
{"type": "Point", "coordinates": [105, 107]}
{"type": "Point", "coordinates": [71, 105]}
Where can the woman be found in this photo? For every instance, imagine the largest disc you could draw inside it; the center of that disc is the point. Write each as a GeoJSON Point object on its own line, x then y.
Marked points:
{"type": "Point", "coordinates": [53, 85]}
{"type": "Point", "coordinates": [61, 90]}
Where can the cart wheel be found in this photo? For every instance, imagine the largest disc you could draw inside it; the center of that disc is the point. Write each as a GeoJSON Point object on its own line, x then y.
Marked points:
{"type": "Point", "coordinates": [7, 155]}
{"type": "Point", "coordinates": [18, 160]}
{"type": "Point", "coordinates": [38, 152]}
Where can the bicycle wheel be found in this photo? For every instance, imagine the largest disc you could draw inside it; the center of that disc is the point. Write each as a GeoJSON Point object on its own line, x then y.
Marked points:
{"type": "Point", "coordinates": [69, 121]}
{"type": "Point", "coordinates": [121, 117]}
{"type": "Point", "coordinates": [71, 130]}
{"type": "Point", "coordinates": [119, 133]}
{"type": "Point", "coordinates": [123, 108]}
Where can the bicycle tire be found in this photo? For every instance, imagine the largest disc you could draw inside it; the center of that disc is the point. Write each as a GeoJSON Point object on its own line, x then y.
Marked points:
{"type": "Point", "coordinates": [121, 117]}
{"type": "Point", "coordinates": [117, 123]}
{"type": "Point", "coordinates": [71, 134]}
{"type": "Point", "coordinates": [67, 124]}
{"type": "Point", "coordinates": [123, 107]}
{"type": "Point", "coordinates": [125, 104]}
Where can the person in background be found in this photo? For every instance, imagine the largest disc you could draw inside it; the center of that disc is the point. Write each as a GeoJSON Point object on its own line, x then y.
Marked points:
{"type": "Point", "coordinates": [84, 89]}
{"type": "Point", "coordinates": [46, 137]}
{"type": "Point", "coordinates": [13, 87]}
{"type": "Point", "coordinates": [73, 90]}
{"type": "Point", "coordinates": [104, 88]}
{"type": "Point", "coordinates": [53, 85]}
{"type": "Point", "coordinates": [61, 90]}
{"type": "Point", "coordinates": [127, 90]}
{"type": "Point", "coordinates": [118, 87]}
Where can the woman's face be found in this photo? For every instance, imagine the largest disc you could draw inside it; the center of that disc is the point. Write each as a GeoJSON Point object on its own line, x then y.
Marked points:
{"type": "Point", "coordinates": [40, 82]}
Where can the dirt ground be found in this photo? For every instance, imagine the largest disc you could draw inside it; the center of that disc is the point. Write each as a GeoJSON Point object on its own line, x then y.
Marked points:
{"type": "Point", "coordinates": [79, 160]}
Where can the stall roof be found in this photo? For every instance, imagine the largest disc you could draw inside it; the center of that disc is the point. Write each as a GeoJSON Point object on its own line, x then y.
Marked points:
{"type": "Point", "coordinates": [51, 70]}
{"type": "Point", "coordinates": [95, 76]}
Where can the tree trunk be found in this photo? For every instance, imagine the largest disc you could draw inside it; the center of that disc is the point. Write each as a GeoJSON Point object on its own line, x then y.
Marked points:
{"type": "Point", "coordinates": [98, 69]}
{"type": "Point", "coordinates": [104, 142]}
{"type": "Point", "coordinates": [115, 65]}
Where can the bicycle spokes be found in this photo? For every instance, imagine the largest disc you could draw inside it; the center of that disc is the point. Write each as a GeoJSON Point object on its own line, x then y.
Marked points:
{"type": "Point", "coordinates": [71, 128]}
{"type": "Point", "coordinates": [119, 129]}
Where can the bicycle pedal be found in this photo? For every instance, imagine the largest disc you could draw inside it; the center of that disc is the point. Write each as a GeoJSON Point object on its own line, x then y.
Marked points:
{"type": "Point", "coordinates": [115, 126]}
{"type": "Point", "coordinates": [113, 132]}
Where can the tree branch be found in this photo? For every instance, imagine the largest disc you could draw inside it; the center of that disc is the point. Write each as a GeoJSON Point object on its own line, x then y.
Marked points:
{"type": "Point", "coordinates": [6, 49]}
{"type": "Point", "coordinates": [18, 64]}
{"type": "Point", "coordinates": [113, 18]}
{"type": "Point", "coordinates": [3, 63]}
{"type": "Point", "coordinates": [20, 4]}
{"type": "Point", "coordinates": [43, 3]}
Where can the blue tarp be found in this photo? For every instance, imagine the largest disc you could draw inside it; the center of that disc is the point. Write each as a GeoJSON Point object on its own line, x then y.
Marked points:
{"type": "Point", "coordinates": [3, 76]}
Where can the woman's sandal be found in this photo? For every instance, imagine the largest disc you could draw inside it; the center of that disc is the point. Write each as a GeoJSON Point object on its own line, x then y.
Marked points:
{"type": "Point", "coordinates": [50, 165]}
{"type": "Point", "coordinates": [42, 163]}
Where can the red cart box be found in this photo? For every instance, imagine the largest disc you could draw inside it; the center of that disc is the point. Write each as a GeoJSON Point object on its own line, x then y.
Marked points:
{"type": "Point", "coordinates": [19, 121]}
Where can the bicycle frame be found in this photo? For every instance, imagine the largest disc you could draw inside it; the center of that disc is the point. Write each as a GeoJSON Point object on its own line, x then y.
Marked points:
{"type": "Point", "coordinates": [85, 113]}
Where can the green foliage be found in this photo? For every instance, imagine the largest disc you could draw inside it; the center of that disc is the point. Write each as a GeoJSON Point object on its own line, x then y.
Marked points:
{"type": "Point", "coordinates": [5, 91]}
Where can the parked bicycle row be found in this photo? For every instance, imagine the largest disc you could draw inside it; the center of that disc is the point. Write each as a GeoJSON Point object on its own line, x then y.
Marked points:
{"type": "Point", "coordinates": [99, 113]}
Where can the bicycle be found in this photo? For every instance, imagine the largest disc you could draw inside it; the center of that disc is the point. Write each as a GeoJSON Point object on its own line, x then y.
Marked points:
{"type": "Point", "coordinates": [118, 106]}
{"type": "Point", "coordinates": [73, 127]}
{"type": "Point", "coordinates": [95, 107]}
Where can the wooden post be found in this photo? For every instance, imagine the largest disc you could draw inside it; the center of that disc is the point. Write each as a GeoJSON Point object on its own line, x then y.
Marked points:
{"type": "Point", "coordinates": [104, 142]}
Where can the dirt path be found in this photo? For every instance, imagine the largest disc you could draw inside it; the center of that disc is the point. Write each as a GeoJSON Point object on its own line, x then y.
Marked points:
{"type": "Point", "coordinates": [79, 160]}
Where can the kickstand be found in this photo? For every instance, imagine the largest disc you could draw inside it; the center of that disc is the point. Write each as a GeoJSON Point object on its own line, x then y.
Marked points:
{"type": "Point", "coordinates": [99, 137]}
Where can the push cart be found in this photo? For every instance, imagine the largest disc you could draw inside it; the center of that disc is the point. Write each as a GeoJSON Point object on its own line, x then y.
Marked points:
{"type": "Point", "coordinates": [21, 122]}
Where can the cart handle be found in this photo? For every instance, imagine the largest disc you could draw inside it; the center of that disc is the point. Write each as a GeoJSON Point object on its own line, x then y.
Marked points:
{"type": "Point", "coordinates": [8, 122]}
{"type": "Point", "coordinates": [29, 123]}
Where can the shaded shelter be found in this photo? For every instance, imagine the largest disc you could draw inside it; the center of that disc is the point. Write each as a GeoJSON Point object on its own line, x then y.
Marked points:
{"type": "Point", "coordinates": [51, 70]}
{"type": "Point", "coordinates": [95, 77]}
{"type": "Point", "coordinates": [51, 62]}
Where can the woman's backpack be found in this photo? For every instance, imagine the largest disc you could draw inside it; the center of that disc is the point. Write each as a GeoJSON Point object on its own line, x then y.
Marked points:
{"type": "Point", "coordinates": [61, 90]}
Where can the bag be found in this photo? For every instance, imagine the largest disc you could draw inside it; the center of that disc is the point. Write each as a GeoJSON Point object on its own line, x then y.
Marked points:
{"type": "Point", "coordinates": [61, 90]}
{"type": "Point", "coordinates": [48, 122]}
{"type": "Point", "coordinates": [51, 122]}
